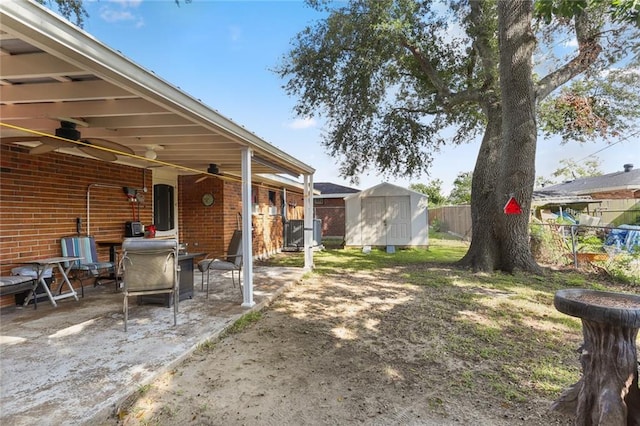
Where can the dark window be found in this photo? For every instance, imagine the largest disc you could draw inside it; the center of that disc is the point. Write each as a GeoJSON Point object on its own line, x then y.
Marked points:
{"type": "Point", "coordinates": [163, 207]}
{"type": "Point", "coordinates": [272, 198]}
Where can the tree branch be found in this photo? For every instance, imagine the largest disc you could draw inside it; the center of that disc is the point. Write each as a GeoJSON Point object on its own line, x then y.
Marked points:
{"type": "Point", "coordinates": [444, 94]}
{"type": "Point", "coordinates": [426, 67]}
{"type": "Point", "coordinates": [482, 43]}
{"type": "Point", "coordinates": [589, 49]}
{"type": "Point", "coordinates": [471, 95]}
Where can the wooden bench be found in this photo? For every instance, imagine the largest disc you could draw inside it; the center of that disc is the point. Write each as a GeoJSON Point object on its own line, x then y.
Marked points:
{"type": "Point", "coordinates": [13, 284]}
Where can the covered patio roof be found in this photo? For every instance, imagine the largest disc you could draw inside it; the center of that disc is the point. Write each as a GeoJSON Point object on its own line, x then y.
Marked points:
{"type": "Point", "coordinates": [52, 71]}
{"type": "Point", "coordinates": [54, 75]}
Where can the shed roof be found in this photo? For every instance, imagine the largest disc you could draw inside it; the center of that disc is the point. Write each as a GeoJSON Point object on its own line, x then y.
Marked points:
{"type": "Point", "coordinates": [53, 71]}
{"type": "Point", "coordinates": [385, 189]}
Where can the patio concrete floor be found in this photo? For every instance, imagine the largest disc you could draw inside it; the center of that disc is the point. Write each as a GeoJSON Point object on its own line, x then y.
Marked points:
{"type": "Point", "coordinates": [74, 364]}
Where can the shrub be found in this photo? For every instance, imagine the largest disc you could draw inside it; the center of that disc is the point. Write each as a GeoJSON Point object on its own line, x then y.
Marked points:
{"type": "Point", "coordinates": [544, 244]}
{"type": "Point", "coordinates": [624, 267]}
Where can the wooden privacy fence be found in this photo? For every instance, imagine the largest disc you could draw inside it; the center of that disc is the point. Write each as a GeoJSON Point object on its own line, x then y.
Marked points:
{"type": "Point", "coordinates": [455, 220]}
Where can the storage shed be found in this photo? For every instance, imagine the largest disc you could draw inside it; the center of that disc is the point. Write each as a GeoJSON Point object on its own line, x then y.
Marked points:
{"type": "Point", "coordinates": [386, 215]}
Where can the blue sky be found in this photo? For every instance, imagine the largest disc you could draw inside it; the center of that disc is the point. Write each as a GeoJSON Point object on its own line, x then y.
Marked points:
{"type": "Point", "coordinates": [221, 52]}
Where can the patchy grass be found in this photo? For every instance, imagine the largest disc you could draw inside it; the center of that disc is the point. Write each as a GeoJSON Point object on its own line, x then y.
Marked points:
{"type": "Point", "coordinates": [442, 336]}
{"type": "Point", "coordinates": [333, 243]}
{"type": "Point", "coordinates": [144, 389]}
{"type": "Point", "coordinates": [242, 323]}
{"type": "Point", "coordinates": [206, 346]}
{"type": "Point", "coordinates": [336, 259]}
{"type": "Point", "coordinates": [505, 323]}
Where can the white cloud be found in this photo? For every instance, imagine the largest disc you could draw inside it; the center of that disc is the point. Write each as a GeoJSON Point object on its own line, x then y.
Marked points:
{"type": "Point", "coordinates": [121, 10]}
{"type": "Point", "coordinates": [128, 3]}
{"type": "Point", "coordinates": [571, 43]}
{"type": "Point", "coordinates": [235, 33]}
{"type": "Point", "coordinates": [111, 15]}
{"type": "Point", "coordinates": [302, 123]}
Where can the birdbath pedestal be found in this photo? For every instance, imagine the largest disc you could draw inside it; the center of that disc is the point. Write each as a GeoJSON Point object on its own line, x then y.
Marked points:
{"type": "Point", "coordinates": [607, 393]}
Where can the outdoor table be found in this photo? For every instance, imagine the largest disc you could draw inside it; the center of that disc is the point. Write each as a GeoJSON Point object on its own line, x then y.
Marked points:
{"type": "Point", "coordinates": [113, 248]}
{"type": "Point", "coordinates": [41, 265]}
{"type": "Point", "coordinates": [607, 393]}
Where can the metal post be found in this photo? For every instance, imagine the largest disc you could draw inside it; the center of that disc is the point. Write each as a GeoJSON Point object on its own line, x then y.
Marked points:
{"type": "Point", "coordinates": [573, 246]}
{"type": "Point", "coordinates": [308, 221]}
{"type": "Point", "coordinates": [247, 247]}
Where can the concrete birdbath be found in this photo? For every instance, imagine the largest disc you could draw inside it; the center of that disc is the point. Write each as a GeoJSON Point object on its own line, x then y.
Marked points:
{"type": "Point", "coordinates": [607, 393]}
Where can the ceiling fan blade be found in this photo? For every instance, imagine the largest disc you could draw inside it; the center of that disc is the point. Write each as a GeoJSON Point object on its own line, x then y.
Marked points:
{"type": "Point", "coordinates": [47, 144]}
{"type": "Point", "coordinates": [220, 176]}
{"type": "Point", "coordinates": [98, 153]}
{"type": "Point", "coordinates": [43, 148]}
{"type": "Point", "coordinates": [230, 178]}
{"type": "Point", "coordinates": [50, 144]}
{"type": "Point", "coordinates": [109, 144]}
{"type": "Point", "coordinates": [19, 139]}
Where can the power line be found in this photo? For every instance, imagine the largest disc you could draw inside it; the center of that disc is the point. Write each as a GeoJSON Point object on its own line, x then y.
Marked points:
{"type": "Point", "coordinates": [610, 145]}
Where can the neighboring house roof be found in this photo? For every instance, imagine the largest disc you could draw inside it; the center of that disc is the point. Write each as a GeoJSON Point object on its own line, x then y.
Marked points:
{"type": "Point", "coordinates": [617, 181]}
{"type": "Point", "coordinates": [281, 182]}
{"type": "Point", "coordinates": [542, 199]}
{"type": "Point", "coordinates": [332, 190]}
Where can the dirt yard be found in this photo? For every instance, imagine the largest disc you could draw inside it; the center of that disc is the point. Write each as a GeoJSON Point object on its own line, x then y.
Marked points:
{"type": "Point", "coordinates": [337, 349]}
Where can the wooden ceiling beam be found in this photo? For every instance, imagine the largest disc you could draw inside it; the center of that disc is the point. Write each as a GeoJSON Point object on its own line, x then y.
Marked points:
{"type": "Point", "coordinates": [58, 92]}
{"type": "Point", "coordinates": [86, 109]}
{"type": "Point", "coordinates": [36, 65]}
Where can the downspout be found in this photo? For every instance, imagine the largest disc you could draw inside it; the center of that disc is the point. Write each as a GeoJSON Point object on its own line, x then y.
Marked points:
{"type": "Point", "coordinates": [284, 204]}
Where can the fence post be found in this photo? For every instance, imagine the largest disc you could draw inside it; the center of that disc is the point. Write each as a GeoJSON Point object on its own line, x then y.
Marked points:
{"type": "Point", "coordinates": [573, 246]}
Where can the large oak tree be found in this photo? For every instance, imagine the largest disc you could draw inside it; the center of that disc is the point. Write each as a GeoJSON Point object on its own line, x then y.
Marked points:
{"type": "Point", "coordinates": [396, 79]}
{"type": "Point", "coordinates": [392, 77]}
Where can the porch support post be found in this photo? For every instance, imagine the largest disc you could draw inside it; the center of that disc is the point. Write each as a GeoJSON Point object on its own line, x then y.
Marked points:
{"type": "Point", "coordinates": [247, 247]}
{"type": "Point", "coordinates": [308, 221]}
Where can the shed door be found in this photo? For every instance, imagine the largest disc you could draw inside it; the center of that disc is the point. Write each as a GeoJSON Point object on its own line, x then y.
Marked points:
{"type": "Point", "coordinates": [386, 221]}
{"type": "Point", "coordinates": [373, 221]}
{"type": "Point", "coordinates": [398, 220]}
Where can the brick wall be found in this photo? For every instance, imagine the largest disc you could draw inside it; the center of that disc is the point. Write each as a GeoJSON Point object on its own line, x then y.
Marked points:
{"type": "Point", "coordinates": [42, 195]}
{"type": "Point", "coordinates": [209, 229]}
{"type": "Point", "coordinates": [332, 214]}
{"type": "Point", "coordinates": [202, 227]}
{"type": "Point", "coordinates": [267, 221]}
{"type": "Point", "coordinates": [616, 195]}
{"type": "Point", "coordinates": [295, 205]}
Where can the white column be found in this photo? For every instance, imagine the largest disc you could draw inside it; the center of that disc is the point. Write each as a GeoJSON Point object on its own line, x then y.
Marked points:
{"type": "Point", "coordinates": [247, 246]}
{"type": "Point", "coordinates": [308, 221]}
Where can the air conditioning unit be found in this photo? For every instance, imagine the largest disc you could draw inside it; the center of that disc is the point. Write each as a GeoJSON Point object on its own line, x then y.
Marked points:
{"type": "Point", "coordinates": [273, 210]}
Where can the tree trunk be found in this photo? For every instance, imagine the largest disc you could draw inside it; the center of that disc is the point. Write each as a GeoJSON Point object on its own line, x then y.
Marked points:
{"type": "Point", "coordinates": [517, 163]}
{"type": "Point", "coordinates": [484, 251]}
